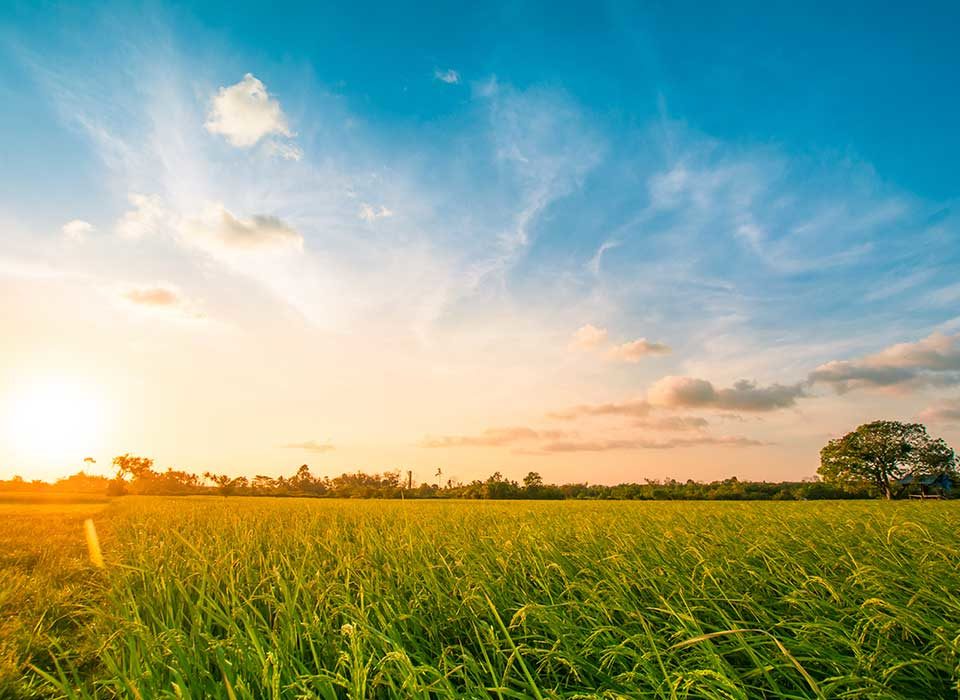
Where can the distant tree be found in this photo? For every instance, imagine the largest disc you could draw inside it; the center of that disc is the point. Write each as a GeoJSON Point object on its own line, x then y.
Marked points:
{"type": "Point", "coordinates": [221, 480]}
{"type": "Point", "coordinates": [882, 452]}
{"type": "Point", "coordinates": [303, 480]}
{"type": "Point", "coordinates": [532, 481]}
{"type": "Point", "coordinates": [135, 467]}
{"type": "Point", "coordinates": [264, 484]}
{"type": "Point", "coordinates": [496, 487]}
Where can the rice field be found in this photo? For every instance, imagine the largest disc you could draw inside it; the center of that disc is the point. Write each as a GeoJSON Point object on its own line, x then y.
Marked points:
{"type": "Point", "coordinates": [293, 598]}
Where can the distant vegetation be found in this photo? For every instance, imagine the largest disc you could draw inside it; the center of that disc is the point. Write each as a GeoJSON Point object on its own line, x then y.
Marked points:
{"type": "Point", "coordinates": [390, 485]}
{"type": "Point", "coordinates": [877, 459]}
{"type": "Point", "coordinates": [892, 457]}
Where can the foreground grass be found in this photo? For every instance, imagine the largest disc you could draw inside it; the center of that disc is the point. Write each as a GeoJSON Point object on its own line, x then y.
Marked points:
{"type": "Point", "coordinates": [263, 598]}
{"type": "Point", "coordinates": [44, 581]}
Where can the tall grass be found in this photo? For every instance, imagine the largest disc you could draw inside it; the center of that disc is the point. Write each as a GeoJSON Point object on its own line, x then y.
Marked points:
{"type": "Point", "coordinates": [261, 598]}
{"type": "Point", "coordinates": [44, 576]}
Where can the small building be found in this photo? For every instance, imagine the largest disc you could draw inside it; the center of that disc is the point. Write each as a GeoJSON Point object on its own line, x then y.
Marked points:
{"type": "Point", "coordinates": [927, 485]}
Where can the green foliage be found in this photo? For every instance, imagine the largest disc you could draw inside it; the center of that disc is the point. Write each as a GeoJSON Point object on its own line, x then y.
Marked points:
{"type": "Point", "coordinates": [291, 598]}
{"type": "Point", "coordinates": [882, 452]}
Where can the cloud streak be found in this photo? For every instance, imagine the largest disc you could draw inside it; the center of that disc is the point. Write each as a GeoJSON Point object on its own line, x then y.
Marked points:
{"type": "Point", "coordinates": [635, 409]}
{"type": "Point", "coordinates": [636, 350]}
{"type": "Point", "coordinates": [492, 437]}
{"type": "Point", "coordinates": [934, 360]}
{"type": "Point", "coordinates": [647, 444]}
{"type": "Point", "coordinates": [309, 446]}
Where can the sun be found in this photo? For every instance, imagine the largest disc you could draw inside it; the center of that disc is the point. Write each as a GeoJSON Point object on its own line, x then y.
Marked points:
{"type": "Point", "coordinates": [53, 420]}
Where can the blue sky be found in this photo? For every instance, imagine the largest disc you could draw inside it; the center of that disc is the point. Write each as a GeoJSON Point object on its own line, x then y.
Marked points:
{"type": "Point", "coordinates": [340, 212]}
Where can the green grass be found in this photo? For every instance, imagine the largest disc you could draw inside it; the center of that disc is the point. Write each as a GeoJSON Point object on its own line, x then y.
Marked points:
{"type": "Point", "coordinates": [287, 598]}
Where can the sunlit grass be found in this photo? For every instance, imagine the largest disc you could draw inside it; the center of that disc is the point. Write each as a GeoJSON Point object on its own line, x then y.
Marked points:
{"type": "Point", "coordinates": [45, 581]}
{"type": "Point", "coordinates": [264, 598]}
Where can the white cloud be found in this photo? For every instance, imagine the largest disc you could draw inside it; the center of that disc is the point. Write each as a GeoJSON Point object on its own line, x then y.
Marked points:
{"type": "Point", "coordinates": [146, 218]}
{"type": "Point", "coordinates": [77, 229]}
{"type": "Point", "coordinates": [218, 229]}
{"type": "Point", "coordinates": [588, 337]}
{"type": "Point", "coordinates": [371, 213]}
{"type": "Point", "coordinates": [636, 350]}
{"type": "Point", "coordinates": [449, 76]}
{"type": "Point", "coordinates": [691, 392]}
{"type": "Point", "coordinates": [244, 113]}
{"type": "Point", "coordinates": [932, 360]}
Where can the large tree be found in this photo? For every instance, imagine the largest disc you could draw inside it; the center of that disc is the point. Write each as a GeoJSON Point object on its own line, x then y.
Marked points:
{"type": "Point", "coordinates": [136, 467]}
{"type": "Point", "coordinates": [882, 452]}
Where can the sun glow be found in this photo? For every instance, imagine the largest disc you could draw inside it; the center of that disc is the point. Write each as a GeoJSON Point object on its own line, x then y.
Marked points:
{"type": "Point", "coordinates": [53, 420]}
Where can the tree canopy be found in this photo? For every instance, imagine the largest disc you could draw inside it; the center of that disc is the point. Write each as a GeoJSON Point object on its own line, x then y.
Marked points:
{"type": "Point", "coordinates": [882, 452]}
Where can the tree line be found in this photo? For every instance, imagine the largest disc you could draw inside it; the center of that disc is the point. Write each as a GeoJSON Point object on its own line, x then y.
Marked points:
{"type": "Point", "coordinates": [879, 459]}
{"type": "Point", "coordinates": [136, 475]}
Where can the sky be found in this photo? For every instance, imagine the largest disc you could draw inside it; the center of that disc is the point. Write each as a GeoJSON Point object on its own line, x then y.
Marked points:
{"type": "Point", "coordinates": [605, 242]}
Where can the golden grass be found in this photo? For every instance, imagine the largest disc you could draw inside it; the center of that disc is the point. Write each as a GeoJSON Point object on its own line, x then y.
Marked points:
{"type": "Point", "coordinates": [285, 598]}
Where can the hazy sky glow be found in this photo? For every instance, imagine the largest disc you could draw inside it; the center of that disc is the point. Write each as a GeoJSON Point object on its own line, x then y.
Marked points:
{"type": "Point", "coordinates": [607, 244]}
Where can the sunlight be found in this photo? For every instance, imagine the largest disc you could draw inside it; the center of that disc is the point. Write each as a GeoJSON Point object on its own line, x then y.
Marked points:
{"type": "Point", "coordinates": [53, 419]}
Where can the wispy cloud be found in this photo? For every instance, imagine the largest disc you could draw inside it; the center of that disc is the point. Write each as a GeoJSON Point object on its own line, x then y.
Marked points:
{"type": "Point", "coordinates": [147, 218]}
{"type": "Point", "coordinates": [647, 444]}
{"type": "Point", "coordinates": [635, 409]}
{"type": "Point", "coordinates": [310, 446]}
{"type": "Point", "coordinates": [370, 213]}
{"type": "Point", "coordinates": [674, 423]}
{"type": "Point", "coordinates": [287, 151]}
{"type": "Point", "coordinates": [449, 76]}
{"type": "Point", "coordinates": [588, 337]}
{"type": "Point", "coordinates": [77, 230]}
{"type": "Point", "coordinates": [492, 437]}
{"type": "Point", "coordinates": [594, 264]}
